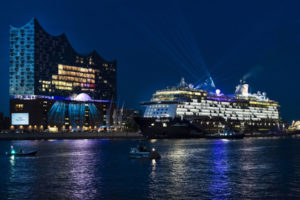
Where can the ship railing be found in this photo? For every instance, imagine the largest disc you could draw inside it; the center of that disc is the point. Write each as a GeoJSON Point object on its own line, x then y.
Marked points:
{"type": "Point", "coordinates": [158, 102]}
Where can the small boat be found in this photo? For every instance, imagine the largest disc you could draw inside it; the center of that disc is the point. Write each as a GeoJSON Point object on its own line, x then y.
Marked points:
{"type": "Point", "coordinates": [226, 134]}
{"type": "Point", "coordinates": [141, 152]}
{"type": "Point", "coordinates": [32, 153]}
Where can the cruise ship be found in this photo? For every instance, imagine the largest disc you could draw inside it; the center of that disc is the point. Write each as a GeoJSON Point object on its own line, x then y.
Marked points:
{"type": "Point", "coordinates": [186, 112]}
{"type": "Point", "coordinates": [294, 128]}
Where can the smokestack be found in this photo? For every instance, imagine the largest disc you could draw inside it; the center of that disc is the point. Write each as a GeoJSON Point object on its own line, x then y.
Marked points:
{"type": "Point", "coordinates": [242, 88]}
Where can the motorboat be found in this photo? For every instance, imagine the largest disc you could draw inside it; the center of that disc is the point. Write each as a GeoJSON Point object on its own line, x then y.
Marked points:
{"type": "Point", "coordinates": [31, 153]}
{"type": "Point", "coordinates": [142, 152]}
{"type": "Point", "coordinates": [20, 153]}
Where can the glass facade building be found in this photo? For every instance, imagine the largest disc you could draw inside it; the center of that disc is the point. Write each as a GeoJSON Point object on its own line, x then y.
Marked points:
{"type": "Point", "coordinates": [43, 64]}
{"type": "Point", "coordinates": [56, 86]}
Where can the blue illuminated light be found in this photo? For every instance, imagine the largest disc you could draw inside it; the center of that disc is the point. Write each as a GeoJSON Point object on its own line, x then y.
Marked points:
{"type": "Point", "coordinates": [32, 97]}
{"type": "Point", "coordinates": [76, 113]}
{"type": "Point", "coordinates": [220, 99]}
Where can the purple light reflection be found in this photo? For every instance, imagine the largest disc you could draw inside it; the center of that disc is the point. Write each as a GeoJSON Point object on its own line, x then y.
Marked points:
{"type": "Point", "coordinates": [220, 99]}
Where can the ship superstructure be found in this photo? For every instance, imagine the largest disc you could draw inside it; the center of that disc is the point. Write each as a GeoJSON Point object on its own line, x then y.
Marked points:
{"type": "Point", "coordinates": [205, 112]}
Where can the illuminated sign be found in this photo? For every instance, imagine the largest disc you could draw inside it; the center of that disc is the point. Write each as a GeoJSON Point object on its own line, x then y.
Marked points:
{"type": "Point", "coordinates": [20, 119]}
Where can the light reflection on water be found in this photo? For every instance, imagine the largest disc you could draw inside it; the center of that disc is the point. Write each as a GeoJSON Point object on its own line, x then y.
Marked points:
{"type": "Point", "coordinates": [12, 161]}
{"type": "Point", "coordinates": [188, 169]}
{"type": "Point", "coordinates": [219, 185]}
{"type": "Point", "coordinates": [83, 172]}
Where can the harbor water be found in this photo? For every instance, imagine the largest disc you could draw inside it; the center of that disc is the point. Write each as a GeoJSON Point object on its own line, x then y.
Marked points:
{"type": "Point", "coordinates": [252, 168]}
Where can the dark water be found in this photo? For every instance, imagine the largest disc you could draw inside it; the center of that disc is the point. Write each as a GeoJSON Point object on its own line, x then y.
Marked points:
{"type": "Point", "coordinates": [189, 169]}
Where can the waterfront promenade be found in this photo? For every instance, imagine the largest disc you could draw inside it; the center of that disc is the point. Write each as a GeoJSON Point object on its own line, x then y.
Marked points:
{"type": "Point", "coordinates": [69, 135]}
{"type": "Point", "coordinates": [107, 135]}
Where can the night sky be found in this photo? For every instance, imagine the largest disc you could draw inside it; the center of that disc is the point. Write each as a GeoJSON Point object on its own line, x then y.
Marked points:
{"type": "Point", "coordinates": [158, 42]}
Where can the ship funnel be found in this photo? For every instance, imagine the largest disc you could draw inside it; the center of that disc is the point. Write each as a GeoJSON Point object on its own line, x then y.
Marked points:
{"type": "Point", "coordinates": [242, 88]}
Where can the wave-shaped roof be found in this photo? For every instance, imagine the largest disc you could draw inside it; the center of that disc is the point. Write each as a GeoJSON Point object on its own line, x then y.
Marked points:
{"type": "Point", "coordinates": [62, 37]}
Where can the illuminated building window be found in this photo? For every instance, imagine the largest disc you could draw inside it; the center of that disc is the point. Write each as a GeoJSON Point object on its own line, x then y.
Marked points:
{"type": "Point", "coordinates": [91, 61]}
{"type": "Point", "coordinates": [19, 107]}
{"type": "Point", "coordinates": [71, 76]}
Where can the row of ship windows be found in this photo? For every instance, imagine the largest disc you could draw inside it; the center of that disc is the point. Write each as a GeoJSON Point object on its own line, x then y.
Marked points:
{"type": "Point", "coordinates": [212, 106]}
{"type": "Point", "coordinates": [248, 123]}
{"type": "Point", "coordinates": [229, 109]}
{"type": "Point", "coordinates": [226, 108]}
{"type": "Point", "coordinates": [155, 113]}
{"type": "Point", "coordinates": [252, 103]}
{"type": "Point", "coordinates": [158, 106]}
{"type": "Point", "coordinates": [154, 109]}
{"type": "Point", "coordinates": [231, 114]}
{"type": "Point", "coordinates": [222, 111]}
{"type": "Point", "coordinates": [232, 117]}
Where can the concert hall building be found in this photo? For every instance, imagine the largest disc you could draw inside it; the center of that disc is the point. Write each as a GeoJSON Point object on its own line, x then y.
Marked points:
{"type": "Point", "coordinates": [45, 70]}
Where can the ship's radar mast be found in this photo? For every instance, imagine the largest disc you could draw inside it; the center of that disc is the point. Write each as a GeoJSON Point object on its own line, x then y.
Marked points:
{"type": "Point", "coordinates": [182, 83]}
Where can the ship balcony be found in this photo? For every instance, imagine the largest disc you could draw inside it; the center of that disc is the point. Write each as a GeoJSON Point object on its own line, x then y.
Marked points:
{"type": "Point", "coordinates": [203, 114]}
